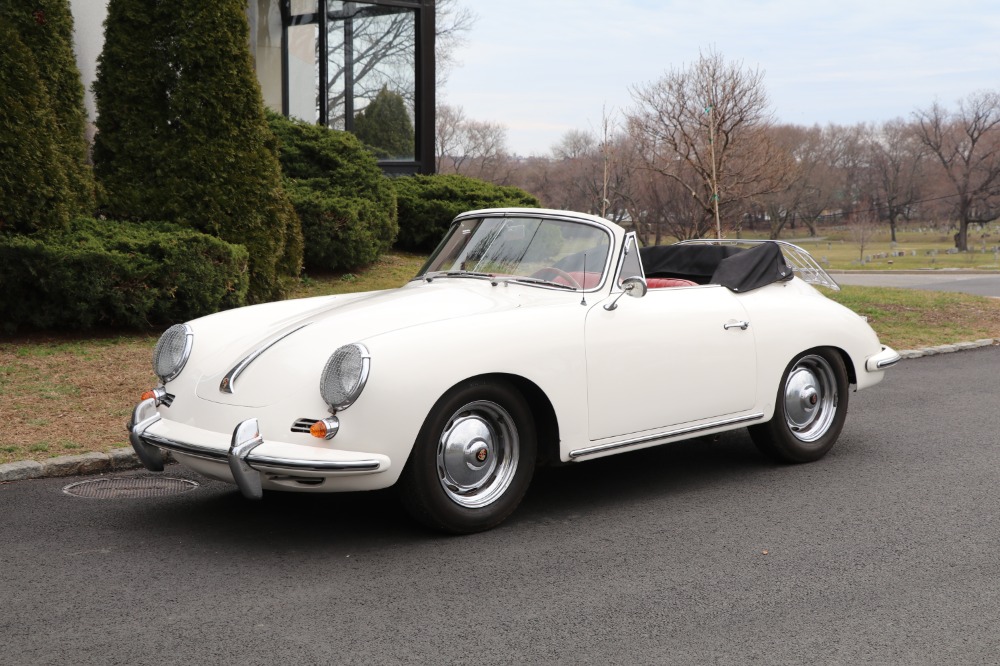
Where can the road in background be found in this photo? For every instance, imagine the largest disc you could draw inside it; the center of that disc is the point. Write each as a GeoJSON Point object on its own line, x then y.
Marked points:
{"type": "Point", "coordinates": [979, 284]}
{"type": "Point", "coordinates": [698, 552]}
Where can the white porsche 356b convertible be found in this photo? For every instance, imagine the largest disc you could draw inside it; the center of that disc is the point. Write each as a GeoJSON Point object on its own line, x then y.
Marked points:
{"type": "Point", "coordinates": [513, 346]}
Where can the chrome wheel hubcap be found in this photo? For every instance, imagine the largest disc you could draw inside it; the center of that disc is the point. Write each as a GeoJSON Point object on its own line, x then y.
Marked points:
{"type": "Point", "coordinates": [477, 454]}
{"type": "Point", "coordinates": [810, 398]}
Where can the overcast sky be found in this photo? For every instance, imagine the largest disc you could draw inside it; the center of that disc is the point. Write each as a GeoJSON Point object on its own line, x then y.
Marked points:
{"type": "Point", "coordinates": [542, 67]}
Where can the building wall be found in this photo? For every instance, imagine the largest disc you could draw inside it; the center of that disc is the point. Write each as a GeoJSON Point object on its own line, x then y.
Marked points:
{"type": "Point", "coordinates": [88, 28]}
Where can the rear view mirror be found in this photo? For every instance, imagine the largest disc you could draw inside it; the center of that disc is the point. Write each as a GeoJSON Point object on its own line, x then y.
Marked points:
{"type": "Point", "coordinates": [634, 286]}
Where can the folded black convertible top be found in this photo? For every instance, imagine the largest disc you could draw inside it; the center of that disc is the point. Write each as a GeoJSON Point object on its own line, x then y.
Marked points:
{"type": "Point", "coordinates": [753, 268]}
{"type": "Point", "coordinates": [735, 268]}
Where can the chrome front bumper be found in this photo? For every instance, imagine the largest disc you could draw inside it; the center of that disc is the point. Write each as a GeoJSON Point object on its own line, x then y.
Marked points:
{"type": "Point", "coordinates": [240, 456]}
{"type": "Point", "coordinates": [886, 358]}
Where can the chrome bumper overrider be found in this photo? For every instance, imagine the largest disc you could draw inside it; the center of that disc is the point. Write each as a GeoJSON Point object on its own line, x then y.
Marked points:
{"type": "Point", "coordinates": [886, 358]}
{"type": "Point", "coordinates": [240, 456]}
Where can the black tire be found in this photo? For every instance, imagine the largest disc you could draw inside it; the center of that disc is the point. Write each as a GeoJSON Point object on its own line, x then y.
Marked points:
{"type": "Point", "coordinates": [809, 410]}
{"type": "Point", "coordinates": [473, 458]}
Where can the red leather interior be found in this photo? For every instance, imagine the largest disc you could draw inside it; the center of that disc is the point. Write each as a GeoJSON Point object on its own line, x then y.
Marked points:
{"type": "Point", "coordinates": [585, 280]}
{"type": "Point", "coordinates": [663, 283]}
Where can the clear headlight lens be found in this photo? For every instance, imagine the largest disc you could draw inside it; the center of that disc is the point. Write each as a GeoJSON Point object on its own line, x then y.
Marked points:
{"type": "Point", "coordinates": [172, 351]}
{"type": "Point", "coordinates": [344, 375]}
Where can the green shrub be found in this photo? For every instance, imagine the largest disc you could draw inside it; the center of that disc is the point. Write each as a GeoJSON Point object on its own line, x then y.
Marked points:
{"type": "Point", "coordinates": [46, 29]}
{"type": "Point", "coordinates": [346, 205]}
{"type": "Point", "coordinates": [428, 203]}
{"type": "Point", "coordinates": [339, 230]}
{"type": "Point", "coordinates": [182, 133]}
{"type": "Point", "coordinates": [117, 274]}
{"type": "Point", "coordinates": [34, 190]}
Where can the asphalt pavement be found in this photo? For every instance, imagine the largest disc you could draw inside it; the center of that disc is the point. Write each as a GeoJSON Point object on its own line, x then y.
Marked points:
{"type": "Point", "coordinates": [886, 551]}
{"type": "Point", "coordinates": [979, 284]}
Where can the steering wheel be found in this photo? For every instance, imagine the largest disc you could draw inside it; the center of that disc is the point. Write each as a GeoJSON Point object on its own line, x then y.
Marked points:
{"type": "Point", "coordinates": [558, 272]}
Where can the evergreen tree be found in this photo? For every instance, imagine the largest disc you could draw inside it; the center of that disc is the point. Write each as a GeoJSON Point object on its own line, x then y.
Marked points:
{"type": "Point", "coordinates": [131, 91]}
{"type": "Point", "coordinates": [224, 170]}
{"type": "Point", "coordinates": [34, 191]}
{"type": "Point", "coordinates": [183, 135]}
{"type": "Point", "coordinates": [384, 126]}
{"type": "Point", "coordinates": [46, 29]}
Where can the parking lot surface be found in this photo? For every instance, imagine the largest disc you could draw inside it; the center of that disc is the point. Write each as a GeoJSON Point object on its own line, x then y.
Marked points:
{"type": "Point", "coordinates": [885, 551]}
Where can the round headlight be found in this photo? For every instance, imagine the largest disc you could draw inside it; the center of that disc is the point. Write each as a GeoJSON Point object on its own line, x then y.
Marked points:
{"type": "Point", "coordinates": [172, 351]}
{"type": "Point", "coordinates": [344, 376]}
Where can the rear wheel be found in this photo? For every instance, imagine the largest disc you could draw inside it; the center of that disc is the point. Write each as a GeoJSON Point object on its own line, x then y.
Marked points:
{"type": "Point", "coordinates": [473, 459]}
{"type": "Point", "coordinates": [809, 411]}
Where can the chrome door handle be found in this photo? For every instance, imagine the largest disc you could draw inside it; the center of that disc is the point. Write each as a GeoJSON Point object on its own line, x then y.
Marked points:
{"type": "Point", "coordinates": [742, 325]}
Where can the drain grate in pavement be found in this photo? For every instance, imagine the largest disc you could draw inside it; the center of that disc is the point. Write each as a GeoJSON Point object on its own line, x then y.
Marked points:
{"type": "Point", "coordinates": [130, 486]}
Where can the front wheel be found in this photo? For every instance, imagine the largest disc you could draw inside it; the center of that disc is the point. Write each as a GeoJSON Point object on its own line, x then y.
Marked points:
{"type": "Point", "coordinates": [473, 458]}
{"type": "Point", "coordinates": [809, 411]}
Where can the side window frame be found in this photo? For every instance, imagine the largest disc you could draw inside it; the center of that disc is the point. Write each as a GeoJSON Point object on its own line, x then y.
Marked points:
{"type": "Point", "coordinates": [629, 262]}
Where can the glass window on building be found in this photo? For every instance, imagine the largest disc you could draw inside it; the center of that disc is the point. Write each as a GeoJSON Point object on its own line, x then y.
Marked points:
{"type": "Point", "coordinates": [371, 75]}
{"type": "Point", "coordinates": [374, 78]}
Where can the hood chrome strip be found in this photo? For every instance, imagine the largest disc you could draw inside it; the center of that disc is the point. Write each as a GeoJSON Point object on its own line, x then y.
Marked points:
{"type": "Point", "coordinates": [228, 383]}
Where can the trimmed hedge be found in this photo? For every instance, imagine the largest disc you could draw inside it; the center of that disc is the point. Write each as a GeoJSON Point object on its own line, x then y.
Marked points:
{"type": "Point", "coordinates": [117, 274]}
{"type": "Point", "coordinates": [182, 133]}
{"type": "Point", "coordinates": [428, 203]}
{"type": "Point", "coordinates": [346, 204]}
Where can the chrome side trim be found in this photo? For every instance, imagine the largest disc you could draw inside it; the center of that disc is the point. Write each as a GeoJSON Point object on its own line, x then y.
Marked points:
{"type": "Point", "coordinates": [228, 384]}
{"type": "Point", "coordinates": [600, 448]}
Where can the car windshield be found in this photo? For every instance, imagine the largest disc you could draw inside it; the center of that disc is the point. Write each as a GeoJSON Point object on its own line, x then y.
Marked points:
{"type": "Point", "coordinates": [558, 253]}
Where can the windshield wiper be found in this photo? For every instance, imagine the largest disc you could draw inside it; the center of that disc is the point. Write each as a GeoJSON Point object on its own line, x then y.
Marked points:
{"type": "Point", "coordinates": [534, 280]}
{"type": "Point", "coordinates": [473, 274]}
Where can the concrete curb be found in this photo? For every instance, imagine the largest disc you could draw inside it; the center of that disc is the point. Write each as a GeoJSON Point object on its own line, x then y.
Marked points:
{"type": "Point", "coordinates": [125, 458]}
{"type": "Point", "coordinates": [948, 349]}
{"type": "Point", "coordinates": [87, 463]}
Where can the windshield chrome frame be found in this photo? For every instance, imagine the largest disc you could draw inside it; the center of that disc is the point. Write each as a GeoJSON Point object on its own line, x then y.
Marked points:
{"type": "Point", "coordinates": [527, 213]}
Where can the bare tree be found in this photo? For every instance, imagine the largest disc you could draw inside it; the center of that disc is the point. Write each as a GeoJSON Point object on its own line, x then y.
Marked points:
{"type": "Point", "coordinates": [452, 24]}
{"type": "Point", "coordinates": [476, 148]}
{"type": "Point", "coordinates": [966, 147]}
{"type": "Point", "coordinates": [706, 128]}
{"type": "Point", "coordinates": [449, 124]}
{"type": "Point", "coordinates": [862, 227]}
{"type": "Point", "coordinates": [574, 144]}
{"type": "Point", "coordinates": [827, 162]}
{"type": "Point", "coordinates": [896, 158]}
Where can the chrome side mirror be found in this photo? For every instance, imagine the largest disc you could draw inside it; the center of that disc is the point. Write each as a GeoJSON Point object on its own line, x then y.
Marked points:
{"type": "Point", "coordinates": [634, 286]}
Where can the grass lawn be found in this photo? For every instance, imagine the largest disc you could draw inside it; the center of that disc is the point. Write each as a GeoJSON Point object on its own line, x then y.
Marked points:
{"type": "Point", "coordinates": [68, 394]}
{"type": "Point", "coordinates": [922, 248]}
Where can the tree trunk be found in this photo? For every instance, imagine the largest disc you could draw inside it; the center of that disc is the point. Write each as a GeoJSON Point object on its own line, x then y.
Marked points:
{"type": "Point", "coordinates": [962, 237]}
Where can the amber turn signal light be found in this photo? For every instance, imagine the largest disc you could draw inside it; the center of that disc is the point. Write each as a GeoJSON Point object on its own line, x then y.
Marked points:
{"type": "Point", "coordinates": [325, 428]}
{"type": "Point", "coordinates": [157, 394]}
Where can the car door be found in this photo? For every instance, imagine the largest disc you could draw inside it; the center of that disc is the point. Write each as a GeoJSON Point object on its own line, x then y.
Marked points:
{"type": "Point", "coordinates": [674, 356]}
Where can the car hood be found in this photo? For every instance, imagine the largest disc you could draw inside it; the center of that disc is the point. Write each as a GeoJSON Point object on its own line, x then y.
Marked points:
{"type": "Point", "coordinates": [283, 350]}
